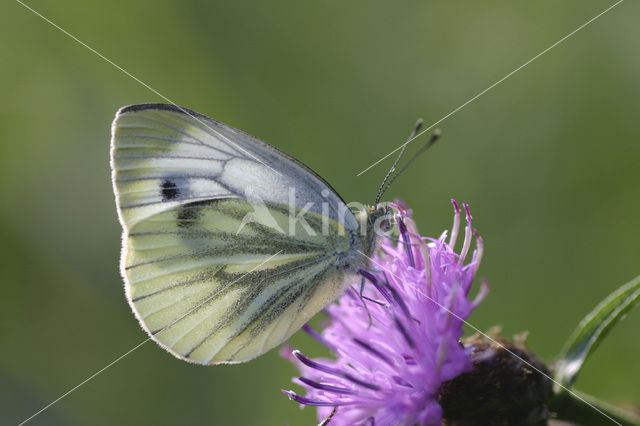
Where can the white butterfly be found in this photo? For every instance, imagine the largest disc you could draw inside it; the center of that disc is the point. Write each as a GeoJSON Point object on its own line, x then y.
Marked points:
{"type": "Point", "coordinates": [215, 269]}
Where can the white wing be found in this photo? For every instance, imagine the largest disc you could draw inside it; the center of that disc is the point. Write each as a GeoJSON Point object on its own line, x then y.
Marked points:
{"type": "Point", "coordinates": [204, 284]}
{"type": "Point", "coordinates": [164, 155]}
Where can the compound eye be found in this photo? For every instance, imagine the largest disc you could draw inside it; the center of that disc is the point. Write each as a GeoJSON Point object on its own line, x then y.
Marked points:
{"type": "Point", "coordinates": [385, 225]}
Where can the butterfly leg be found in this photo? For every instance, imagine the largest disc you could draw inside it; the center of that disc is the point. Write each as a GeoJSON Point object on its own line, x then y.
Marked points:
{"type": "Point", "coordinates": [326, 421]}
{"type": "Point", "coordinates": [361, 294]}
{"type": "Point", "coordinates": [362, 298]}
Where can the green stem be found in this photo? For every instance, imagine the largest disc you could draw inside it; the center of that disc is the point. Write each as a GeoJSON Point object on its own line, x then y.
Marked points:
{"type": "Point", "coordinates": [572, 407]}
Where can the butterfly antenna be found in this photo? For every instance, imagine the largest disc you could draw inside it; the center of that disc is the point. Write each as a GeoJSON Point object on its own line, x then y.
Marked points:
{"type": "Point", "coordinates": [382, 189]}
{"type": "Point", "coordinates": [434, 137]}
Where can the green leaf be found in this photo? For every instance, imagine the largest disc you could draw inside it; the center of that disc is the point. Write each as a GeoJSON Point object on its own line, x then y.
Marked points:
{"type": "Point", "coordinates": [592, 329]}
{"type": "Point", "coordinates": [579, 408]}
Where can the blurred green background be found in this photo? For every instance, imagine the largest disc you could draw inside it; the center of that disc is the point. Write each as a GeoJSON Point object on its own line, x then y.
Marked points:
{"type": "Point", "coordinates": [548, 161]}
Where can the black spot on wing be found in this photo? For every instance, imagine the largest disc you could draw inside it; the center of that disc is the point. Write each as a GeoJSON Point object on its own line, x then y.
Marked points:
{"type": "Point", "coordinates": [169, 190]}
{"type": "Point", "coordinates": [189, 214]}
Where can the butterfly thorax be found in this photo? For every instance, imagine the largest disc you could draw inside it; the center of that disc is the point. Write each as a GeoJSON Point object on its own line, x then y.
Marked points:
{"type": "Point", "coordinates": [373, 221]}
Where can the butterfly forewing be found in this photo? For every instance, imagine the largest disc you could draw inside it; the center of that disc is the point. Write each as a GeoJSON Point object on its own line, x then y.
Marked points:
{"type": "Point", "coordinates": [214, 268]}
{"type": "Point", "coordinates": [192, 157]}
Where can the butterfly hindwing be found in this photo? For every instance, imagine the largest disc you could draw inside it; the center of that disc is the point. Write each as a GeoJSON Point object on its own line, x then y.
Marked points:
{"type": "Point", "coordinates": [206, 283]}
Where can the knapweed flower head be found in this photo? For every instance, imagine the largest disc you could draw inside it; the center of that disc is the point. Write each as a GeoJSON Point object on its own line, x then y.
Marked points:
{"type": "Point", "coordinates": [398, 340]}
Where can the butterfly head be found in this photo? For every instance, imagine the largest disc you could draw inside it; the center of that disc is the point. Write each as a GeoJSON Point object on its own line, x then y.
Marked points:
{"type": "Point", "coordinates": [380, 218]}
{"type": "Point", "coordinates": [375, 221]}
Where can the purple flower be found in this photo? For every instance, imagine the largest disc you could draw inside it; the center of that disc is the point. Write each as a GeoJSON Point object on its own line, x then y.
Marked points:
{"type": "Point", "coordinates": [398, 343]}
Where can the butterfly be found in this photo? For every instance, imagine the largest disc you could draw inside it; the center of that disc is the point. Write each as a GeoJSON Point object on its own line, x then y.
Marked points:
{"type": "Point", "coordinates": [229, 245]}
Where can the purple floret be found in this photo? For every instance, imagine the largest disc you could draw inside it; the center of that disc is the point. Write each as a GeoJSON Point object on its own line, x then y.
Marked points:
{"type": "Point", "coordinates": [395, 346]}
